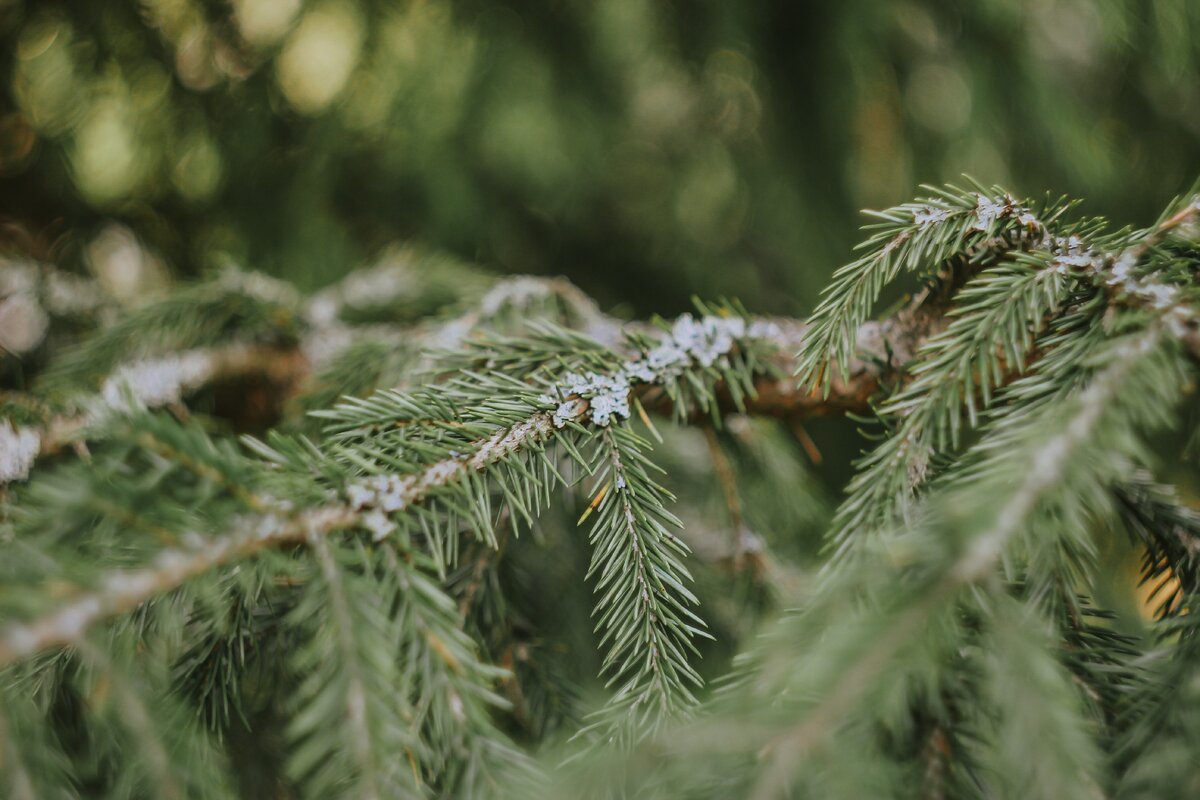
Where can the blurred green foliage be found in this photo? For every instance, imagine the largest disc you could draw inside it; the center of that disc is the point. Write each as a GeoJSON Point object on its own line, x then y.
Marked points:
{"type": "Point", "coordinates": [647, 150]}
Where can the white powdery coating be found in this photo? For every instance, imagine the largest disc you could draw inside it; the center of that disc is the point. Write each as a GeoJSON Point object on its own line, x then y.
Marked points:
{"type": "Point", "coordinates": [327, 342]}
{"type": "Point", "coordinates": [322, 309]}
{"type": "Point", "coordinates": [701, 341]}
{"type": "Point", "coordinates": [152, 383]}
{"type": "Point", "coordinates": [359, 495]}
{"type": "Point", "coordinates": [705, 342]}
{"type": "Point", "coordinates": [1080, 260]}
{"type": "Point", "coordinates": [1118, 273]}
{"type": "Point", "coordinates": [19, 447]}
{"type": "Point", "coordinates": [365, 288]}
{"type": "Point", "coordinates": [1158, 296]}
{"type": "Point", "coordinates": [1122, 269]}
{"type": "Point", "coordinates": [763, 329]}
{"type": "Point", "coordinates": [1072, 253]}
{"type": "Point", "coordinates": [258, 285]}
{"type": "Point", "coordinates": [75, 619]}
{"type": "Point", "coordinates": [707, 339]}
{"type": "Point", "coordinates": [17, 277]}
{"type": "Point", "coordinates": [1120, 276]}
{"type": "Point", "coordinates": [456, 706]}
{"type": "Point", "coordinates": [568, 410]}
{"type": "Point", "coordinates": [517, 292]}
{"type": "Point", "coordinates": [378, 524]}
{"type": "Point", "coordinates": [386, 492]}
{"type": "Point", "coordinates": [376, 286]}
{"type": "Point", "coordinates": [391, 493]}
{"type": "Point", "coordinates": [988, 211]}
{"type": "Point", "coordinates": [930, 215]}
{"type": "Point", "coordinates": [602, 395]}
{"type": "Point", "coordinates": [60, 293]}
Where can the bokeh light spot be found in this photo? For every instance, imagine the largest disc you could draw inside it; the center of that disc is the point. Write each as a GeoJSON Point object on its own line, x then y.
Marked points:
{"type": "Point", "coordinates": [319, 56]}
{"type": "Point", "coordinates": [105, 154]}
{"type": "Point", "coordinates": [263, 22]}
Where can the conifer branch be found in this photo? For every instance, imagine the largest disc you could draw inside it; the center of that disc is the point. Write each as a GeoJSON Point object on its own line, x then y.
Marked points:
{"type": "Point", "coordinates": [1045, 463]}
{"type": "Point", "coordinates": [988, 342]}
{"type": "Point", "coordinates": [129, 589]}
{"type": "Point", "coordinates": [121, 591]}
{"type": "Point", "coordinates": [884, 347]}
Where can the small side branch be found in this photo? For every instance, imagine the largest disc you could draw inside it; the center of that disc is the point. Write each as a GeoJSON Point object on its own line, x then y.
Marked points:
{"type": "Point", "coordinates": [121, 591]}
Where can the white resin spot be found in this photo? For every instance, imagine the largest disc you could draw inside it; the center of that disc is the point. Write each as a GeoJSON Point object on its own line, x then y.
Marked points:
{"type": "Point", "coordinates": [153, 383]}
{"type": "Point", "coordinates": [19, 448]}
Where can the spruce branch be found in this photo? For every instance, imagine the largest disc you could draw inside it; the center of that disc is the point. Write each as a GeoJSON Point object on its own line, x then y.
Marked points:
{"type": "Point", "coordinates": [1127, 281]}
{"type": "Point", "coordinates": [643, 615]}
{"type": "Point", "coordinates": [885, 346]}
{"type": "Point", "coordinates": [922, 235]}
{"type": "Point", "coordinates": [988, 340]}
{"type": "Point", "coordinates": [452, 696]}
{"type": "Point", "coordinates": [121, 591]}
{"type": "Point", "coordinates": [130, 588]}
{"type": "Point", "coordinates": [1153, 751]}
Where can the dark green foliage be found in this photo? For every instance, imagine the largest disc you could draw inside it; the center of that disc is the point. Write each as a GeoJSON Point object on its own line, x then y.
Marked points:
{"type": "Point", "coordinates": [656, 150]}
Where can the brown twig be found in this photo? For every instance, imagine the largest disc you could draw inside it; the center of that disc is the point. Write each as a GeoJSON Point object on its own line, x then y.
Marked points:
{"type": "Point", "coordinates": [935, 754]}
{"type": "Point", "coordinates": [806, 441]}
{"type": "Point", "coordinates": [885, 345]}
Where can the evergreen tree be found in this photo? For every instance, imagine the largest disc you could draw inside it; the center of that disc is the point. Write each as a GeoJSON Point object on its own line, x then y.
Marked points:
{"type": "Point", "coordinates": [384, 586]}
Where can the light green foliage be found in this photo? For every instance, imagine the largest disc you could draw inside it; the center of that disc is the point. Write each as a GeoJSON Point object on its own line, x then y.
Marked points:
{"type": "Point", "coordinates": [468, 576]}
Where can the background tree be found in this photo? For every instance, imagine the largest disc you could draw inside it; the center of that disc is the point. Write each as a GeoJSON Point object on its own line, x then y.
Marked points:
{"type": "Point", "coordinates": [676, 148]}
